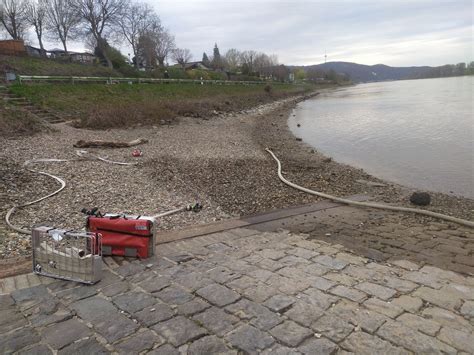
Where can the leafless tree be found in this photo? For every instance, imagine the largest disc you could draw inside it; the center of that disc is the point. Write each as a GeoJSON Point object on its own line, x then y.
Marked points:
{"type": "Point", "coordinates": [182, 56]}
{"type": "Point", "coordinates": [36, 17]}
{"type": "Point", "coordinates": [101, 17]}
{"type": "Point", "coordinates": [13, 17]}
{"type": "Point", "coordinates": [164, 46]}
{"type": "Point", "coordinates": [136, 21]}
{"type": "Point", "coordinates": [232, 59]}
{"type": "Point", "coordinates": [63, 19]}
{"type": "Point", "coordinates": [247, 59]}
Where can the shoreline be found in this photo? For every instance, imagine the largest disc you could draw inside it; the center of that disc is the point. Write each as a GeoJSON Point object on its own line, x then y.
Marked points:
{"type": "Point", "coordinates": [220, 161]}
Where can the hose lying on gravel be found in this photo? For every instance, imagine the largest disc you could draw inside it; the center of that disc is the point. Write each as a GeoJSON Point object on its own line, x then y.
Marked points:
{"type": "Point", "coordinates": [81, 155]}
{"type": "Point", "coordinates": [369, 204]}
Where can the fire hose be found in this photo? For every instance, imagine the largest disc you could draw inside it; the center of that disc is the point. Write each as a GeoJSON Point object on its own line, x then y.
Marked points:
{"type": "Point", "coordinates": [369, 204]}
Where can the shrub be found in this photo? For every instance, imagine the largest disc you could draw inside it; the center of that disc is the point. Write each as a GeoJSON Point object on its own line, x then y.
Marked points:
{"type": "Point", "coordinates": [268, 89]}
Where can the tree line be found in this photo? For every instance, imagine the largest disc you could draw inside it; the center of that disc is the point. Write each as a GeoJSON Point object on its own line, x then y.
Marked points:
{"type": "Point", "coordinates": [100, 22]}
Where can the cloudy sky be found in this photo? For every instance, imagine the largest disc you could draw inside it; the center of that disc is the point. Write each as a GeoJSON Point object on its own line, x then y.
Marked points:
{"type": "Point", "coordinates": [300, 32]}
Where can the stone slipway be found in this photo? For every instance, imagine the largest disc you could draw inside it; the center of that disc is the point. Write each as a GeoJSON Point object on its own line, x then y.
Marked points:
{"type": "Point", "coordinates": [322, 280]}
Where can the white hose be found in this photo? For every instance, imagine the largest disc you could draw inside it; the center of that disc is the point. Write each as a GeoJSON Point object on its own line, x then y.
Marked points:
{"type": "Point", "coordinates": [82, 155]}
{"type": "Point", "coordinates": [369, 204]}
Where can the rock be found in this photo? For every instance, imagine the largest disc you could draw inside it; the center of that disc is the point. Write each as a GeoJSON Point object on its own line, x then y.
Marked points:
{"type": "Point", "coordinates": [299, 139]}
{"type": "Point", "coordinates": [298, 125]}
{"type": "Point", "coordinates": [420, 198]}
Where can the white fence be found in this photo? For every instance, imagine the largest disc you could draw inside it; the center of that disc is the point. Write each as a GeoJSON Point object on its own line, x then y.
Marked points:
{"type": "Point", "coordinates": [115, 80]}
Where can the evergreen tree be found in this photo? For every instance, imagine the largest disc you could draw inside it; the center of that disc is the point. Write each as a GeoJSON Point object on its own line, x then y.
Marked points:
{"type": "Point", "coordinates": [217, 63]}
{"type": "Point", "coordinates": [205, 60]}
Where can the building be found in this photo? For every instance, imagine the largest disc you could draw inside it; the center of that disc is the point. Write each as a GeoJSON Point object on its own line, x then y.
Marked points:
{"type": "Point", "coordinates": [33, 51]}
{"type": "Point", "coordinates": [13, 47]}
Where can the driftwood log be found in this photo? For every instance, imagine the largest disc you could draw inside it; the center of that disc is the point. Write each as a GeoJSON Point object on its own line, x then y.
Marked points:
{"type": "Point", "coordinates": [108, 144]}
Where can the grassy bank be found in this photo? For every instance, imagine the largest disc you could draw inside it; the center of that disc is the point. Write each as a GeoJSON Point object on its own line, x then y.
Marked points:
{"type": "Point", "coordinates": [99, 106]}
{"type": "Point", "coordinates": [14, 122]}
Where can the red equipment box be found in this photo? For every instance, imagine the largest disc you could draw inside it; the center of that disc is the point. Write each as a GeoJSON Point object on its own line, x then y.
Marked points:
{"type": "Point", "coordinates": [125, 235]}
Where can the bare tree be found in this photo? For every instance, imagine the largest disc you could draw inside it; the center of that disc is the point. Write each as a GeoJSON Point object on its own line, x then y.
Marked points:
{"type": "Point", "coordinates": [232, 58]}
{"type": "Point", "coordinates": [164, 45]}
{"type": "Point", "coordinates": [182, 56]}
{"type": "Point", "coordinates": [63, 19]}
{"type": "Point", "coordinates": [101, 16]}
{"type": "Point", "coordinates": [13, 17]}
{"type": "Point", "coordinates": [247, 59]}
{"type": "Point", "coordinates": [36, 17]}
{"type": "Point", "coordinates": [135, 22]}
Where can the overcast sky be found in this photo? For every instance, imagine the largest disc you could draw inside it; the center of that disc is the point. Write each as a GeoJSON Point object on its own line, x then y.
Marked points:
{"type": "Point", "coordinates": [300, 32]}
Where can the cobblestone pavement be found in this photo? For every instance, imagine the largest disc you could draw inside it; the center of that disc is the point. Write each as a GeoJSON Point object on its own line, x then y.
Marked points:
{"type": "Point", "coordinates": [245, 291]}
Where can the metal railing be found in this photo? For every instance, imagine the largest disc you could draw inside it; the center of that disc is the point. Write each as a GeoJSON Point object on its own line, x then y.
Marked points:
{"type": "Point", "coordinates": [116, 80]}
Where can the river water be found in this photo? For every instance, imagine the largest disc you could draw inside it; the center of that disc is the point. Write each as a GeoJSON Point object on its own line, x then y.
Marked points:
{"type": "Point", "coordinates": [419, 133]}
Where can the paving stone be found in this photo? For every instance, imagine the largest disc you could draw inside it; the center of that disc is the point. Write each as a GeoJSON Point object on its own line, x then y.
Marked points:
{"type": "Point", "coordinates": [259, 316]}
{"type": "Point", "coordinates": [302, 252]}
{"type": "Point", "coordinates": [29, 297]}
{"type": "Point", "coordinates": [242, 283]}
{"type": "Point", "coordinates": [193, 281]}
{"type": "Point", "coordinates": [316, 269]}
{"type": "Point", "coordinates": [351, 258]}
{"type": "Point", "coordinates": [269, 264]}
{"type": "Point", "coordinates": [332, 327]}
{"type": "Point", "coordinates": [279, 303]}
{"type": "Point", "coordinates": [11, 319]}
{"type": "Point", "coordinates": [155, 284]}
{"type": "Point", "coordinates": [14, 341]}
{"type": "Point", "coordinates": [209, 345]}
{"type": "Point", "coordinates": [260, 274]}
{"type": "Point", "coordinates": [165, 349]}
{"type": "Point", "coordinates": [216, 320]}
{"type": "Point", "coordinates": [446, 318]}
{"type": "Point", "coordinates": [320, 346]}
{"type": "Point", "coordinates": [412, 340]}
{"type": "Point", "coordinates": [321, 283]}
{"type": "Point", "coordinates": [467, 309]}
{"type": "Point", "coordinates": [174, 295]}
{"type": "Point", "coordinates": [464, 292]}
{"type": "Point", "coordinates": [138, 342]}
{"type": "Point", "coordinates": [290, 333]}
{"type": "Point", "coordinates": [397, 283]}
{"type": "Point", "coordinates": [132, 302]}
{"type": "Point", "coordinates": [6, 302]}
{"type": "Point", "coordinates": [363, 343]}
{"type": "Point", "coordinates": [222, 274]}
{"type": "Point", "coordinates": [108, 278]}
{"type": "Point", "coordinates": [405, 264]}
{"type": "Point", "coordinates": [460, 340]}
{"type": "Point", "coordinates": [419, 323]}
{"type": "Point", "coordinates": [330, 262]}
{"type": "Point", "coordinates": [339, 278]}
{"type": "Point", "coordinates": [381, 292]}
{"type": "Point", "coordinates": [218, 295]}
{"type": "Point", "coordinates": [260, 292]}
{"type": "Point", "coordinates": [304, 313]}
{"type": "Point", "coordinates": [115, 289]}
{"type": "Point", "coordinates": [357, 315]}
{"type": "Point", "coordinates": [383, 307]}
{"type": "Point", "coordinates": [130, 269]}
{"type": "Point", "coordinates": [291, 260]}
{"type": "Point", "coordinates": [440, 298]}
{"type": "Point", "coordinates": [105, 318]}
{"type": "Point", "coordinates": [61, 334]}
{"type": "Point", "coordinates": [37, 349]}
{"type": "Point", "coordinates": [408, 303]}
{"type": "Point", "coordinates": [154, 314]}
{"type": "Point", "coordinates": [317, 298]}
{"type": "Point", "coordinates": [272, 254]}
{"type": "Point", "coordinates": [84, 347]}
{"type": "Point", "coordinates": [76, 294]}
{"type": "Point", "coordinates": [180, 257]}
{"type": "Point", "coordinates": [349, 293]}
{"type": "Point", "coordinates": [179, 330]}
{"type": "Point", "coordinates": [41, 317]}
{"type": "Point", "coordinates": [249, 339]}
{"type": "Point", "coordinates": [192, 307]}
{"type": "Point", "coordinates": [288, 285]}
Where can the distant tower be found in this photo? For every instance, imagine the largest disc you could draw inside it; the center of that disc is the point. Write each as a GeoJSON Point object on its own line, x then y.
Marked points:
{"type": "Point", "coordinates": [325, 57]}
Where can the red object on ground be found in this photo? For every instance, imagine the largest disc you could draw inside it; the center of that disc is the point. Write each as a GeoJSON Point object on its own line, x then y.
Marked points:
{"type": "Point", "coordinates": [124, 236]}
{"type": "Point", "coordinates": [137, 153]}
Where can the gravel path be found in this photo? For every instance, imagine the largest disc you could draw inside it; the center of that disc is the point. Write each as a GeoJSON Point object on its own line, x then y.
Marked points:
{"type": "Point", "coordinates": [220, 162]}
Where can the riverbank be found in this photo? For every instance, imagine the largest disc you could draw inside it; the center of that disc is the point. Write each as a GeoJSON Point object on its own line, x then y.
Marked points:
{"type": "Point", "coordinates": [219, 161]}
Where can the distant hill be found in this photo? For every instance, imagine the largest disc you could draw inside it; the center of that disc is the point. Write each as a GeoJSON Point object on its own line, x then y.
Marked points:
{"type": "Point", "coordinates": [364, 73]}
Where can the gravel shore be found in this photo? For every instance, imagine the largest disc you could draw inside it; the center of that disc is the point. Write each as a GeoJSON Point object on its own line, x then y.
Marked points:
{"type": "Point", "coordinates": [219, 161]}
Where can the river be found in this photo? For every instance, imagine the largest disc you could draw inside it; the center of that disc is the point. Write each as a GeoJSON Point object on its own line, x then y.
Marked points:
{"type": "Point", "coordinates": [419, 133]}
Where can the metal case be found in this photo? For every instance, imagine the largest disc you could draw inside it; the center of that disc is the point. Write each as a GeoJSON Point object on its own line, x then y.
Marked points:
{"type": "Point", "coordinates": [67, 255]}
